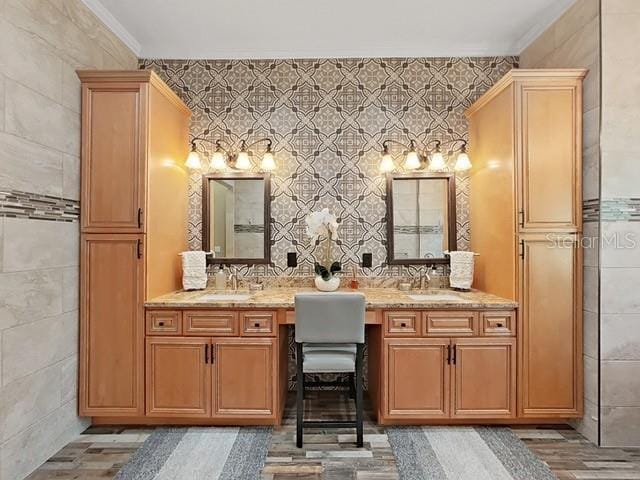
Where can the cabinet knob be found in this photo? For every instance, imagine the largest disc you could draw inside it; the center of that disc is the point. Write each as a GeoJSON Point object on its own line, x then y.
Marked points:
{"type": "Point", "coordinates": [161, 324]}
{"type": "Point", "coordinates": [257, 325]}
{"type": "Point", "coordinates": [499, 325]}
{"type": "Point", "coordinates": [403, 324]}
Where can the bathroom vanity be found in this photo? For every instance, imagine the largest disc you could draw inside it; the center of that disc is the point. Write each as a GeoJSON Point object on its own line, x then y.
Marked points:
{"type": "Point", "coordinates": [150, 353]}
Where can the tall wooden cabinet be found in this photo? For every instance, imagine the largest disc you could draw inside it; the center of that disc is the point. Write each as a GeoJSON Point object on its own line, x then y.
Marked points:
{"type": "Point", "coordinates": [133, 223]}
{"type": "Point", "coordinates": [526, 222]}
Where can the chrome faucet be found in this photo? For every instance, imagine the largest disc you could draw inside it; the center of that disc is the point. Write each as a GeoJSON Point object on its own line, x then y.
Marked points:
{"type": "Point", "coordinates": [233, 278]}
{"type": "Point", "coordinates": [423, 277]}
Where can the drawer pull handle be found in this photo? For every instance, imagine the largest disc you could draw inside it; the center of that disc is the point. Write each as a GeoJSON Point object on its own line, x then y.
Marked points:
{"type": "Point", "coordinates": [499, 325]}
{"type": "Point", "coordinates": [161, 324]}
{"type": "Point", "coordinates": [257, 325]}
{"type": "Point", "coordinates": [403, 325]}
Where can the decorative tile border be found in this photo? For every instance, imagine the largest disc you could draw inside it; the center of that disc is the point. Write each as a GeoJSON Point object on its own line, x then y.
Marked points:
{"type": "Point", "coordinates": [417, 229]}
{"type": "Point", "coordinates": [620, 210]}
{"type": "Point", "coordinates": [17, 204]}
{"type": "Point", "coordinates": [591, 210]}
{"type": "Point", "coordinates": [244, 228]}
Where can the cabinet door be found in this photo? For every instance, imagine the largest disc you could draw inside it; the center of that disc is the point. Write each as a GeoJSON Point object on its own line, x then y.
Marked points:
{"type": "Point", "coordinates": [244, 377]}
{"type": "Point", "coordinates": [111, 325]}
{"type": "Point", "coordinates": [113, 157]}
{"type": "Point", "coordinates": [550, 156]}
{"type": "Point", "coordinates": [550, 326]}
{"type": "Point", "coordinates": [178, 377]}
{"type": "Point", "coordinates": [416, 378]}
{"type": "Point", "coordinates": [484, 378]}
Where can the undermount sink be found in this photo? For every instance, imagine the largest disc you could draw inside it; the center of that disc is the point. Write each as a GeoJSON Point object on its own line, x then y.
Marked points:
{"type": "Point", "coordinates": [225, 297]}
{"type": "Point", "coordinates": [437, 297]}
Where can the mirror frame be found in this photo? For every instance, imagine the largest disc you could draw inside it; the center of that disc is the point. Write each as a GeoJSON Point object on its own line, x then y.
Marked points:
{"type": "Point", "coordinates": [266, 259]}
{"type": "Point", "coordinates": [451, 201]}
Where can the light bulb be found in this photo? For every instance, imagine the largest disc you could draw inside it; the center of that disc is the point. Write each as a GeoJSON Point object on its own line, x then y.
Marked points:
{"type": "Point", "coordinates": [193, 161]}
{"type": "Point", "coordinates": [462, 162]}
{"type": "Point", "coordinates": [386, 163]}
{"type": "Point", "coordinates": [412, 161]}
{"type": "Point", "coordinates": [217, 161]}
{"type": "Point", "coordinates": [268, 163]}
{"type": "Point", "coordinates": [437, 161]}
{"type": "Point", "coordinates": [242, 161]}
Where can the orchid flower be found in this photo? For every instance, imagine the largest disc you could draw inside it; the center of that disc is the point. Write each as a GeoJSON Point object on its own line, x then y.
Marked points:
{"type": "Point", "coordinates": [322, 223]}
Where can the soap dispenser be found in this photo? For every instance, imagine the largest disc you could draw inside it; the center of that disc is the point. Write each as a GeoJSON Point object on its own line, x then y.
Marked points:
{"type": "Point", "coordinates": [221, 279]}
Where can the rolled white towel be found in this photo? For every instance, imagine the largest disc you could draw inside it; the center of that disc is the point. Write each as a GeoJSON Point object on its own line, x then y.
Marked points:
{"type": "Point", "coordinates": [461, 274]}
{"type": "Point", "coordinates": [195, 258]}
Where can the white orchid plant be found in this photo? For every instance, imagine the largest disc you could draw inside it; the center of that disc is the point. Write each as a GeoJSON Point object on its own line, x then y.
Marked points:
{"type": "Point", "coordinates": [323, 225]}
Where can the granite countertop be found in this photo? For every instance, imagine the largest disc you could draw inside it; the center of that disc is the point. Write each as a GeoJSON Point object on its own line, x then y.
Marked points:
{"type": "Point", "coordinates": [376, 298]}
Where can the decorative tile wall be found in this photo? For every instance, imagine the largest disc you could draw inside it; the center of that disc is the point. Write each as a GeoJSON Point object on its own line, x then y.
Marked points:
{"type": "Point", "coordinates": [328, 119]}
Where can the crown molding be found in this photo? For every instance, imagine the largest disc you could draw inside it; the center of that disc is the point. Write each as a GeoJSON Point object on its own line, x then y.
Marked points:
{"type": "Point", "coordinates": [545, 20]}
{"type": "Point", "coordinates": [104, 15]}
{"type": "Point", "coordinates": [310, 53]}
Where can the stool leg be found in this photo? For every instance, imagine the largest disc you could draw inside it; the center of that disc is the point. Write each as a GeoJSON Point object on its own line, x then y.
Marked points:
{"type": "Point", "coordinates": [352, 386]}
{"type": "Point", "coordinates": [299, 395]}
{"type": "Point", "coordinates": [359, 399]}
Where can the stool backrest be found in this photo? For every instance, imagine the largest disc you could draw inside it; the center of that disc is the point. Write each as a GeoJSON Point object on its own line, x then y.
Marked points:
{"type": "Point", "coordinates": [330, 317]}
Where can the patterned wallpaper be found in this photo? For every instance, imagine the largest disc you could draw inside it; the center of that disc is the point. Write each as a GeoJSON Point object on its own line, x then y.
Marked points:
{"type": "Point", "coordinates": [328, 119]}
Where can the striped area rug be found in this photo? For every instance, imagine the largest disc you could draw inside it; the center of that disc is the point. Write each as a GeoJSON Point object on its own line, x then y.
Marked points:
{"type": "Point", "coordinates": [464, 453]}
{"type": "Point", "coordinates": [200, 453]}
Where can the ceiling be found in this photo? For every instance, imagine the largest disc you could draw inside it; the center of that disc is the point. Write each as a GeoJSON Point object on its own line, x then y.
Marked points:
{"type": "Point", "coordinates": [213, 29]}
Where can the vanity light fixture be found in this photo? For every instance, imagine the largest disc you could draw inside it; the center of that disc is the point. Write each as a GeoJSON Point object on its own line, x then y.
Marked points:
{"type": "Point", "coordinates": [434, 159]}
{"type": "Point", "coordinates": [222, 158]}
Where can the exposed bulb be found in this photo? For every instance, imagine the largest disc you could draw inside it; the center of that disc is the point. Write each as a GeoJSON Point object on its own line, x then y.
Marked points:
{"type": "Point", "coordinates": [437, 161]}
{"type": "Point", "coordinates": [412, 161]}
{"type": "Point", "coordinates": [193, 161]}
{"type": "Point", "coordinates": [217, 161]}
{"type": "Point", "coordinates": [386, 163]}
{"type": "Point", "coordinates": [242, 161]}
{"type": "Point", "coordinates": [463, 162]}
{"type": "Point", "coordinates": [268, 163]}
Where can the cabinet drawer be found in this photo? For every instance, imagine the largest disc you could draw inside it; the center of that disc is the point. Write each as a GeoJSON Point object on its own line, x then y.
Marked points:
{"type": "Point", "coordinates": [218, 323]}
{"type": "Point", "coordinates": [164, 322]}
{"type": "Point", "coordinates": [450, 324]}
{"type": "Point", "coordinates": [258, 323]}
{"type": "Point", "coordinates": [498, 324]}
{"type": "Point", "coordinates": [401, 324]}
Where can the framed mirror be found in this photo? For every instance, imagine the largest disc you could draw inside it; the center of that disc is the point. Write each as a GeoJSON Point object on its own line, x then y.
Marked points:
{"type": "Point", "coordinates": [235, 217]}
{"type": "Point", "coordinates": [421, 218]}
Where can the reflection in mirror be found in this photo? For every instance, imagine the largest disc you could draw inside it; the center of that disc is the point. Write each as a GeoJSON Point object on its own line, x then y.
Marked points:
{"type": "Point", "coordinates": [235, 218]}
{"type": "Point", "coordinates": [421, 218]}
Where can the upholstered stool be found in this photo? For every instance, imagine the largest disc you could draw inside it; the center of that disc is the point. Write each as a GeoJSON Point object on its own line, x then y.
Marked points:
{"type": "Point", "coordinates": [329, 339]}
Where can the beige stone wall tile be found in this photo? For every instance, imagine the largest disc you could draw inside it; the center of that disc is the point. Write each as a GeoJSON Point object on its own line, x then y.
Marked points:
{"type": "Point", "coordinates": [31, 447]}
{"type": "Point", "coordinates": [576, 18]}
{"type": "Point", "coordinates": [40, 119]}
{"type": "Point", "coordinates": [616, 430]}
{"type": "Point", "coordinates": [97, 32]}
{"type": "Point", "coordinates": [26, 400]}
{"type": "Point", "coordinates": [71, 176]}
{"type": "Point", "coordinates": [30, 347]}
{"type": "Point", "coordinates": [590, 292]}
{"type": "Point", "coordinates": [617, 290]}
{"type": "Point", "coordinates": [621, 169]}
{"type": "Point", "coordinates": [620, 6]}
{"type": "Point", "coordinates": [588, 424]}
{"type": "Point", "coordinates": [620, 337]}
{"type": "Point", "coordinates": [71, 87]}
{"type": "Point", "coordinates": [590, 243]}
{"type": "Point", "coordinates": [33, 244]}
{"type": "Point", "coordinates": [29, 296]}
{"type": "Point", "coordinates": [591, 172]}
{"type": "Point", "coordinates": [30, 61]}
{"type": "Point", "coordinates": [590, 335]}
{"type": "Point", "coordinates": [581, 49]}
{"type": "Point", "coordinates": [70, 289]}
{"type": "Point", "coordinates": [591, 128]}
{"type": "Point", "coordinates": [540, 48]}
{"type": "Point", "coordinates": [620, 244]}
{"type": "Point", "coordinates": [2, 101]}
{"type": "Point", "coordinates": [591, 87]}
{"type": "Point", "coordinates": [68, 379]}
{"type": "Point", "coordinates": [590, 379]}
{"type": "Point", "coordinates": [29, 167]}
{"type": "Point", "coordinates": [620, 383]}
{"type": "Point", "coordinates": [620, 36]}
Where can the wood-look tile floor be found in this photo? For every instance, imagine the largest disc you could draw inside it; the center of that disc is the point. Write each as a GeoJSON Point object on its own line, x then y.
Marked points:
{"type": "Point", "coordinates": [101, 451]}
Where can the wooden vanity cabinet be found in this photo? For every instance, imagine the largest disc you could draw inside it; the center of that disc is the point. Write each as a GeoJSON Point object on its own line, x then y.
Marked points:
{"type": "Point", "coordinates": [135, 138]}
{"type": "Point", "coordinates": [464, 374]}
{"type": "Point", "coordinates": [525, 135]}
{"type": "Point", "coordinates": [178, 377]}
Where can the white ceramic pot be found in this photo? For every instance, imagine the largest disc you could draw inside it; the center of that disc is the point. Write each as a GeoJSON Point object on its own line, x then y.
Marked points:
{"type": "Point", "coordinates": [330, 285]}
